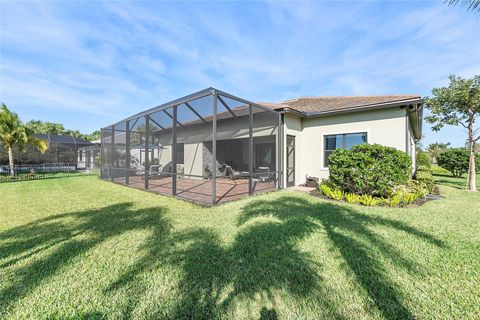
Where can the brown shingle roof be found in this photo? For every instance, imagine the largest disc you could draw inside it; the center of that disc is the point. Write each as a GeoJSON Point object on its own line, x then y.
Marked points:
{"type": "Point", "coordinates": [308, 105]}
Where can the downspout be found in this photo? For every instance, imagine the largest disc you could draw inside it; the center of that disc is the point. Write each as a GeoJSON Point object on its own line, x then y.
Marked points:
{"type": "Point", "coordinates": [415, 115]}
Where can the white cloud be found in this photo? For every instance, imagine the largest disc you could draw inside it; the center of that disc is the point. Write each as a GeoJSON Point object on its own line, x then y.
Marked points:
{"type": "Point", "coordinates": [114, 59]}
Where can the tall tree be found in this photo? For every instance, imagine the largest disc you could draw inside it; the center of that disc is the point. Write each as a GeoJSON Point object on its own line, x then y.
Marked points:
{"type": "Point", "coordinates": [14, 133]}
{"type": "Point", "coordinates": [39, 126]}
{"type": "Point", "coordinates": [434, 149]}
{"type": "Point", "coordinates": [46, 127]}
{"type": "Point", "coordinates": [459, 103]}
{"type": "Point", "coordinates": [95, 135]}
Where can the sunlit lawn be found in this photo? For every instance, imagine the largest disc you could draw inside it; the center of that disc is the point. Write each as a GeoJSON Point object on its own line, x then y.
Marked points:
{"type": "Point", "coordinates": [83, 248]}
{"type": "Point", "coordinates": [443, 177]}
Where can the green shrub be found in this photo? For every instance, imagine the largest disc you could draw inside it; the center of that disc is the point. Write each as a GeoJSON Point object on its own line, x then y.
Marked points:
{"type": "Point", "coordinates": [393, 201]}
{"type": "Point", "coordinates": [426, 179]}
{"type": "Point", "coordinates": [368, 200]}
{"type": "Point", "coordinates": [405, 194]}
{"type": "Point", "coordinates": [337, 194]}
{"type": "Point", "coordinates": [330, 192]}
{"type": "Point", "coordinates": [456, 161]}
{"type": "Point", "coordinates": [352, 198]}
{"type": "Point", "coordinates": [418, 187]}
{"type": "Point", "coordinates": [423, 168]}
{"type": "Point", "coordinates": [369, 169]}
{"type": "Point", "coordinates": [402, 195]}
{"type": "Point", "coordinates": [409, 197]}
{"type": "Point", "coordinates": [422, 159]}
{"type": "Point", "coordinates": [325, 189]}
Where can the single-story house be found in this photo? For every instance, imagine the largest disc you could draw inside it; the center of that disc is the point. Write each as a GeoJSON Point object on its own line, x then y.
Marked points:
{"type": "Point", "coordinates": [212, 147]}
{"type": "Point", "coordinates": [88, 155]}
{"type": "Point", "coordinates": [62, 151]}
{"type": "Point", "coordinates": [315, 126]}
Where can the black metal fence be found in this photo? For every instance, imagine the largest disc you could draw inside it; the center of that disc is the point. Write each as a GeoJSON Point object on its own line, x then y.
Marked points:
{"type": "Point", "coordinates": [36, 171]}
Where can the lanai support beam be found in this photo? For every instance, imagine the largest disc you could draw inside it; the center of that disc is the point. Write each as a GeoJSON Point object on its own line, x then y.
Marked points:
{"type": "Point", "coordinates": [214, 149]}
{"type": "Point", "coordinates": [127, 152]}
{"type": "Point", "coordinates": [147, 142]}
{"type": "Point", "coordinates": [250, 149]}
{"type": "Point", "coordinates": [226, 106]}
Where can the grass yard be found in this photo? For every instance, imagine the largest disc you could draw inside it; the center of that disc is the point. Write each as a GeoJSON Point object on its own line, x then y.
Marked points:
{"type": "Point", "coordinates": [79, 247]}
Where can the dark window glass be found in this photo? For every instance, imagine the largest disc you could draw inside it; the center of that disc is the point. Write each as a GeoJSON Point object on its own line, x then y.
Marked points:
{"type": "Point", "coordinates": [180, 153]}
{"type": "Point", "coordinates": [345, 141]}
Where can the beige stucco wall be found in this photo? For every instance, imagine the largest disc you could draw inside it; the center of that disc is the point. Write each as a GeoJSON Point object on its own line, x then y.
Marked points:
{"type": "Point", "coordinates": [387, 127]}
{"type": "Point", "coordinates": [193, 160]}
{"type": "Point", "coordinates": [293, 127]}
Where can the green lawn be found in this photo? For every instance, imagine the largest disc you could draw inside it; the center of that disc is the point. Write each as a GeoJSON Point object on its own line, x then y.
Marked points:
{"type": "Point", "coordinates": [443, 177]}
{"type": "Point", "coordinates": [83, 248]}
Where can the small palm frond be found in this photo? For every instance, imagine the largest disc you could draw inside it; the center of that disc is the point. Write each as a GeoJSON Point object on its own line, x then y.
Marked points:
{"type": "Point", "coordinates": [9, 126]}
{"type": "Point", "coordinates": [41, 144]}
{"type": "Point", "coordinates": [473, 5]}
{"type": "Point", "coordinates": [13, 132]}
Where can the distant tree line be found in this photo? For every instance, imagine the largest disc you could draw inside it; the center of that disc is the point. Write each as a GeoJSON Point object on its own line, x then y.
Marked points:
{"type": "Point", "coordinates": [45, 127]}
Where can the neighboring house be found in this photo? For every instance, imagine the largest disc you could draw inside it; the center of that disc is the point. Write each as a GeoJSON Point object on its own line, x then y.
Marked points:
{"type": "Point", "coordinates": [89, 155]}
{"type": "Point", "coordinates": [62, 149]}
{"type": "Point", "coordinates": [213, 150]}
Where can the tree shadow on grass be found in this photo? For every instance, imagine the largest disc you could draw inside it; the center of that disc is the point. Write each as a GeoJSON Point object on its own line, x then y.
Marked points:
{"type": "Point", "coordinates": [450, 181]}
{"type": "Point", "coordinates": [216, 278]}
{"type": "Point", "coordinates": [264, 257]}
{"type": "Point", "coordinates": [214, 275]}
{"type": "Point", "coordinates": [67, 235]}
{"type": "Point", "coordinates": [349, 232]}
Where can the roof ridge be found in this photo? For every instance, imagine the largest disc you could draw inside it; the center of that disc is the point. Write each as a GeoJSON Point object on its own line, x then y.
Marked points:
{"type": "Point", "coordinates": [349, 97]}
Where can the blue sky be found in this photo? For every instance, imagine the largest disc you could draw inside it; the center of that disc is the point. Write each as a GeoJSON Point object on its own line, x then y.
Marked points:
{"type": "Point", "coordinates": [88, 64]}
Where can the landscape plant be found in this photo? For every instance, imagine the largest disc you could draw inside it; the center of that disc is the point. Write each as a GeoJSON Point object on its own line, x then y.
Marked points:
{"type": "Point", "coordinates": [117, 252]}
{"type": "Point", "coordinates": [370, 169]}
{"type": "Point", "coordinates": [422, 159]}
{"type": "Point", "coordinates": [458, 104]}
{"type": "Point", "coordinates": [331, 192]}
{"type": "Point", "coordinates": [456, 161]}
{"type": "Point", "coordinates": [423, 175]}
{"type": "Point", "coordinates": [369, 200]}
{"type": "Point", "coordinates": [434, 149]}
{"type": "Point", "coordinates": [352, 198]}
{"type": "Point", "coordinates": [13, 133]}
{"type": "Point", "coordinates": [401, 195]}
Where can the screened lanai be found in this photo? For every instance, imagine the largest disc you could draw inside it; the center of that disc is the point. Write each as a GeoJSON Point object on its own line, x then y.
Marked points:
{"type": "Point", "coordinates": [208, 147]}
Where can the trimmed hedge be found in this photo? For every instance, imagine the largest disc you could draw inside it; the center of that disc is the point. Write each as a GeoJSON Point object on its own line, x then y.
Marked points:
{"type": "Point", "coordinates": [370, 169]}
{"type": "Point", "coordinates": [456, 161]}
{"type": "Point", "coordinates": [422, 159]}
{"type": "Point", "coordinates": [425, 177]}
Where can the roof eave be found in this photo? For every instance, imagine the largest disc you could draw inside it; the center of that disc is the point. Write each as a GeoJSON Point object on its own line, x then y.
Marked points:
{"type": "Point", "coordinates": [364, 108]}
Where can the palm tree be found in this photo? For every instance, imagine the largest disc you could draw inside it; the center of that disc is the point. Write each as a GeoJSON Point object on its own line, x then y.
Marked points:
{"type": "Point", "coordinates": [14, 133]}
{"type": "Point", "coordinates": [470, 4]}
{"type": "Point", "coordinates": [434, 149]}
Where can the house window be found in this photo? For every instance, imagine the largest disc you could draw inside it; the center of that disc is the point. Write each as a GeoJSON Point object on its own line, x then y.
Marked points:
{"type": "Point", "coordinates": [344, 141]}
{"type": "Point", "coordinates": [180, 153]}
